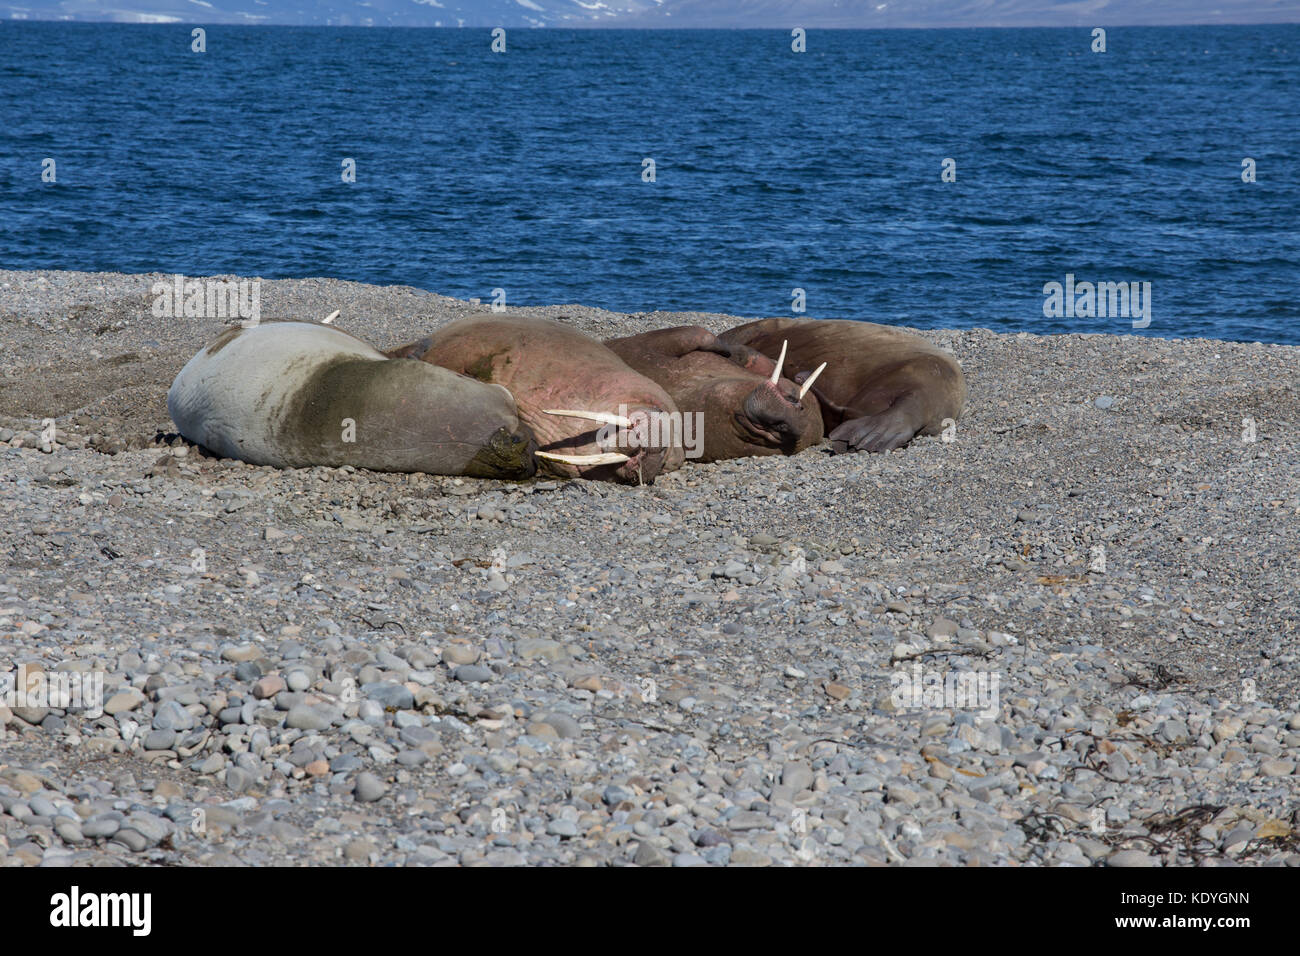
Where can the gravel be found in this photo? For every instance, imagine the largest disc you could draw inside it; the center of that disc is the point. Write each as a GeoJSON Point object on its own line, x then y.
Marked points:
{"type": "Point", "coordinates": [743, 664]}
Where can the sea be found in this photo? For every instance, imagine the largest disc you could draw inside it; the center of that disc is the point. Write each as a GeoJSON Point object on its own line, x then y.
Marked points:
{"type": "Point", "coordinates": [1142, 181]}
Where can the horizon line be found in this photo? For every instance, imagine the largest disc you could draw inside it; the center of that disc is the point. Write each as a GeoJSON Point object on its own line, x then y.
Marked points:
{"type": "Point", "coordinates": [598, 26]}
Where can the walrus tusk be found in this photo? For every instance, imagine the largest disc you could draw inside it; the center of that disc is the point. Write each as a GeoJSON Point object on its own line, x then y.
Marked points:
{"type": "Point", "coordinates": [608, 458]}
{"type": "Point", "coordinates": [811, 378]}
{"type": "Point", "coordinates": [609, 418]}
{"type": "Point", "coordinates": [776, 372]}
{"type": "Point", "coordinates": [330, 318]}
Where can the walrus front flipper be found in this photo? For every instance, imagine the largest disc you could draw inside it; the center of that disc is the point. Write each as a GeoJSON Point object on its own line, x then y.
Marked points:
{"type": "Point", "coordinates": [890, 429]}
{"type": "Point", "coordinates": [884, 431]}
{"type": "Point", "coordinates": [412, 350]}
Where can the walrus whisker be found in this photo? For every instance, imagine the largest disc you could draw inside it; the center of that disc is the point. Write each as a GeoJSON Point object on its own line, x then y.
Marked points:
{"type": "Point", "coordinates": [608, 458]}
{"type": "Point", "coordinates": [330, 318]}
{"type": "Point", "coordinates": [776, 372]}
{"type": "Point", "coordinates": [809, 382]}
{"type": "Point", "coordinates": [608, 418]}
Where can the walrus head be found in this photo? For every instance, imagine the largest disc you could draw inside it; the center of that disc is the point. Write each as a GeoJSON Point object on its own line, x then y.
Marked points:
{"type": "Point", "coordinates": [778, 414]}
{"type": "Point", "coordinates": [637, 443]}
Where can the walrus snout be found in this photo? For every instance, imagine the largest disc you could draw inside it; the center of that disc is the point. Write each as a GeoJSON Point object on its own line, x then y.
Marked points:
{"type": "Point", "coordinates": [507, 454]}
{"type": "Point", "coordinates": [777, 415]}
{"type": "Point", "coordinates": [636, 443]}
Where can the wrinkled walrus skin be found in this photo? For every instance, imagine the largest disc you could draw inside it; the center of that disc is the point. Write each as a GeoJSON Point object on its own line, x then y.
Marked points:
{"type": "Point", "coordinates": [743, 412]}
{"type": "Point", "coordinates": [882, 386]}
{"type": "Point", "coordinates": [290, 394]}
{"type": "Point", "coordinates": [547, 365]}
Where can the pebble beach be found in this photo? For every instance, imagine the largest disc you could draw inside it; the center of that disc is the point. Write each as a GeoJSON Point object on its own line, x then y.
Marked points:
{"type": "Point", "coordinates": [1066, 636]}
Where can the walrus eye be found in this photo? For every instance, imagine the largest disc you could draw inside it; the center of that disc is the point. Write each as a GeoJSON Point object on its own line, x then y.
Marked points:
{"type": "Point", "coordinates": [809, 382]}
{"type": "Point", "coordinates": [776, 372]}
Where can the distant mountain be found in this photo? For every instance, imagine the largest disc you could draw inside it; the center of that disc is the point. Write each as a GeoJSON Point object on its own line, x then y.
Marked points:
{"type": "Point", "coordinates": [661, 13]}
{"type": "Point", "coordinates": [379, 13]}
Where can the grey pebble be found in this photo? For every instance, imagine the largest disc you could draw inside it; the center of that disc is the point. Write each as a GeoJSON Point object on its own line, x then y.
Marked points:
{"type": "Point", "coordinates": [369, 788]}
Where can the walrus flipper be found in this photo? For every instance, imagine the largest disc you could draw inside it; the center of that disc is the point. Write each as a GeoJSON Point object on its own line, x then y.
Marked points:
{"type": "Point", "coordinates": [412, 350]}
{"type": "Point", "coordinates": [885, 431]}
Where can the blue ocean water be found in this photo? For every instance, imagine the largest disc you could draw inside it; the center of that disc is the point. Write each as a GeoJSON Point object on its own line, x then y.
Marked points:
{"type": "Point", "coordinates": [774, 170]}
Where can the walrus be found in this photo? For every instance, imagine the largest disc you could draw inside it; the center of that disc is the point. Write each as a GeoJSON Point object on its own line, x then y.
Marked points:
{"type": "Point", "coordinates": [295, 394]}
{"type": "Point", "coordinates": [744, 410]}
{"type": "Point", "coordinates": [883, 386]}
{"type": "Point", "coordinates": [592, 415]}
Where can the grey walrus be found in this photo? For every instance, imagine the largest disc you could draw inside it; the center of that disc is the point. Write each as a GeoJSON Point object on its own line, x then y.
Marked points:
{"type": "Point", "coordinates": [745, 406]}
{"type": "Point", "coordinates": [294, 394]}
{"type": "Point", "coordinates": [592, 415]}
{"type": "Point", "coordinates": [883, 386]}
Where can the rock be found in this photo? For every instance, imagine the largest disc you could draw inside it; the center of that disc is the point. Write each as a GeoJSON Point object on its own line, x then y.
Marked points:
{"type": "Point", "coordinates": [562, 828]}
{"type": "Point", "coordinates": [613, 796]}
{"type": "Point", "coordinates": [1277, 768]}
{"type": "Point", "coordinates": [309, 717]}
{"type": "Point", "coordinates": [473, 673]}
{"type": "Point", "coordinates": [101, 826]}
{"type": "Point", "coordinates": [648, 855]}
{"type": "Point", "coordinates": [749, 820]}
{"type": "Point", "coordinates": [368, 788]}
{"type": "Point", "coordinates": [531, 649]}
{"type": "Point", "coordinates": [837, 691]}
{"type": "Point", "coordinates": [238, 654]}
{"type": "Point", "coordinates": [172, 716]}
{"type": "Point", "coordinates": [564, 725]}
{"type": "Point", "coordinates": [123, 701]}
{"type": "Point", "coordinates": [392, 696]}
{"type": "Point", "coordinates": [215, 763]}
{"type": "Point", "coordinates": [941, 629]}
{"type": "Point", "coordinates": [1132, 858]}
{"type": "Point", "coordinates": [359, 850]}
{"type": "Point", "coordinates": [154, 829]}
{"type": "Point", "coordinates": [747, 856]}
{"type": "Point", "coordinates": [457, 654]}
{"type": "Point", "coordinates": [797, 776]}
{"type": "Point", "coordinates": [159, 739]}
{"type": "Point", "coordinates": [69, 831]}
{"type": "Point", "coordinates": [268, 686]}
{"type": "Point", "coordinates": [31, 715]}
{"type": "Point", "coordinates": [132, 839]}
{"type": "Point", "coordinates": [239, 779]}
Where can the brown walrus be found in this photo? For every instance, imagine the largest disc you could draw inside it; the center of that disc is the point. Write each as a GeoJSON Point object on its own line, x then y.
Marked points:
{"type": "Point", "coordinates": [564, 381]}
{"type": "Point", "coordinates": [738, 396]}
{"type": "Point", "coordinates": [883, 386]}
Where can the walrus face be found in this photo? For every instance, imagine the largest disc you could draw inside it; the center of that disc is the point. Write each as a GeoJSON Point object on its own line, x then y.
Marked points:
{"type": "Point", "coordinates": [777, 416]}
{"type": "Point", "coordinates": [774, 415]}
{"type": "Point", "coordinates": [636, 444]}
